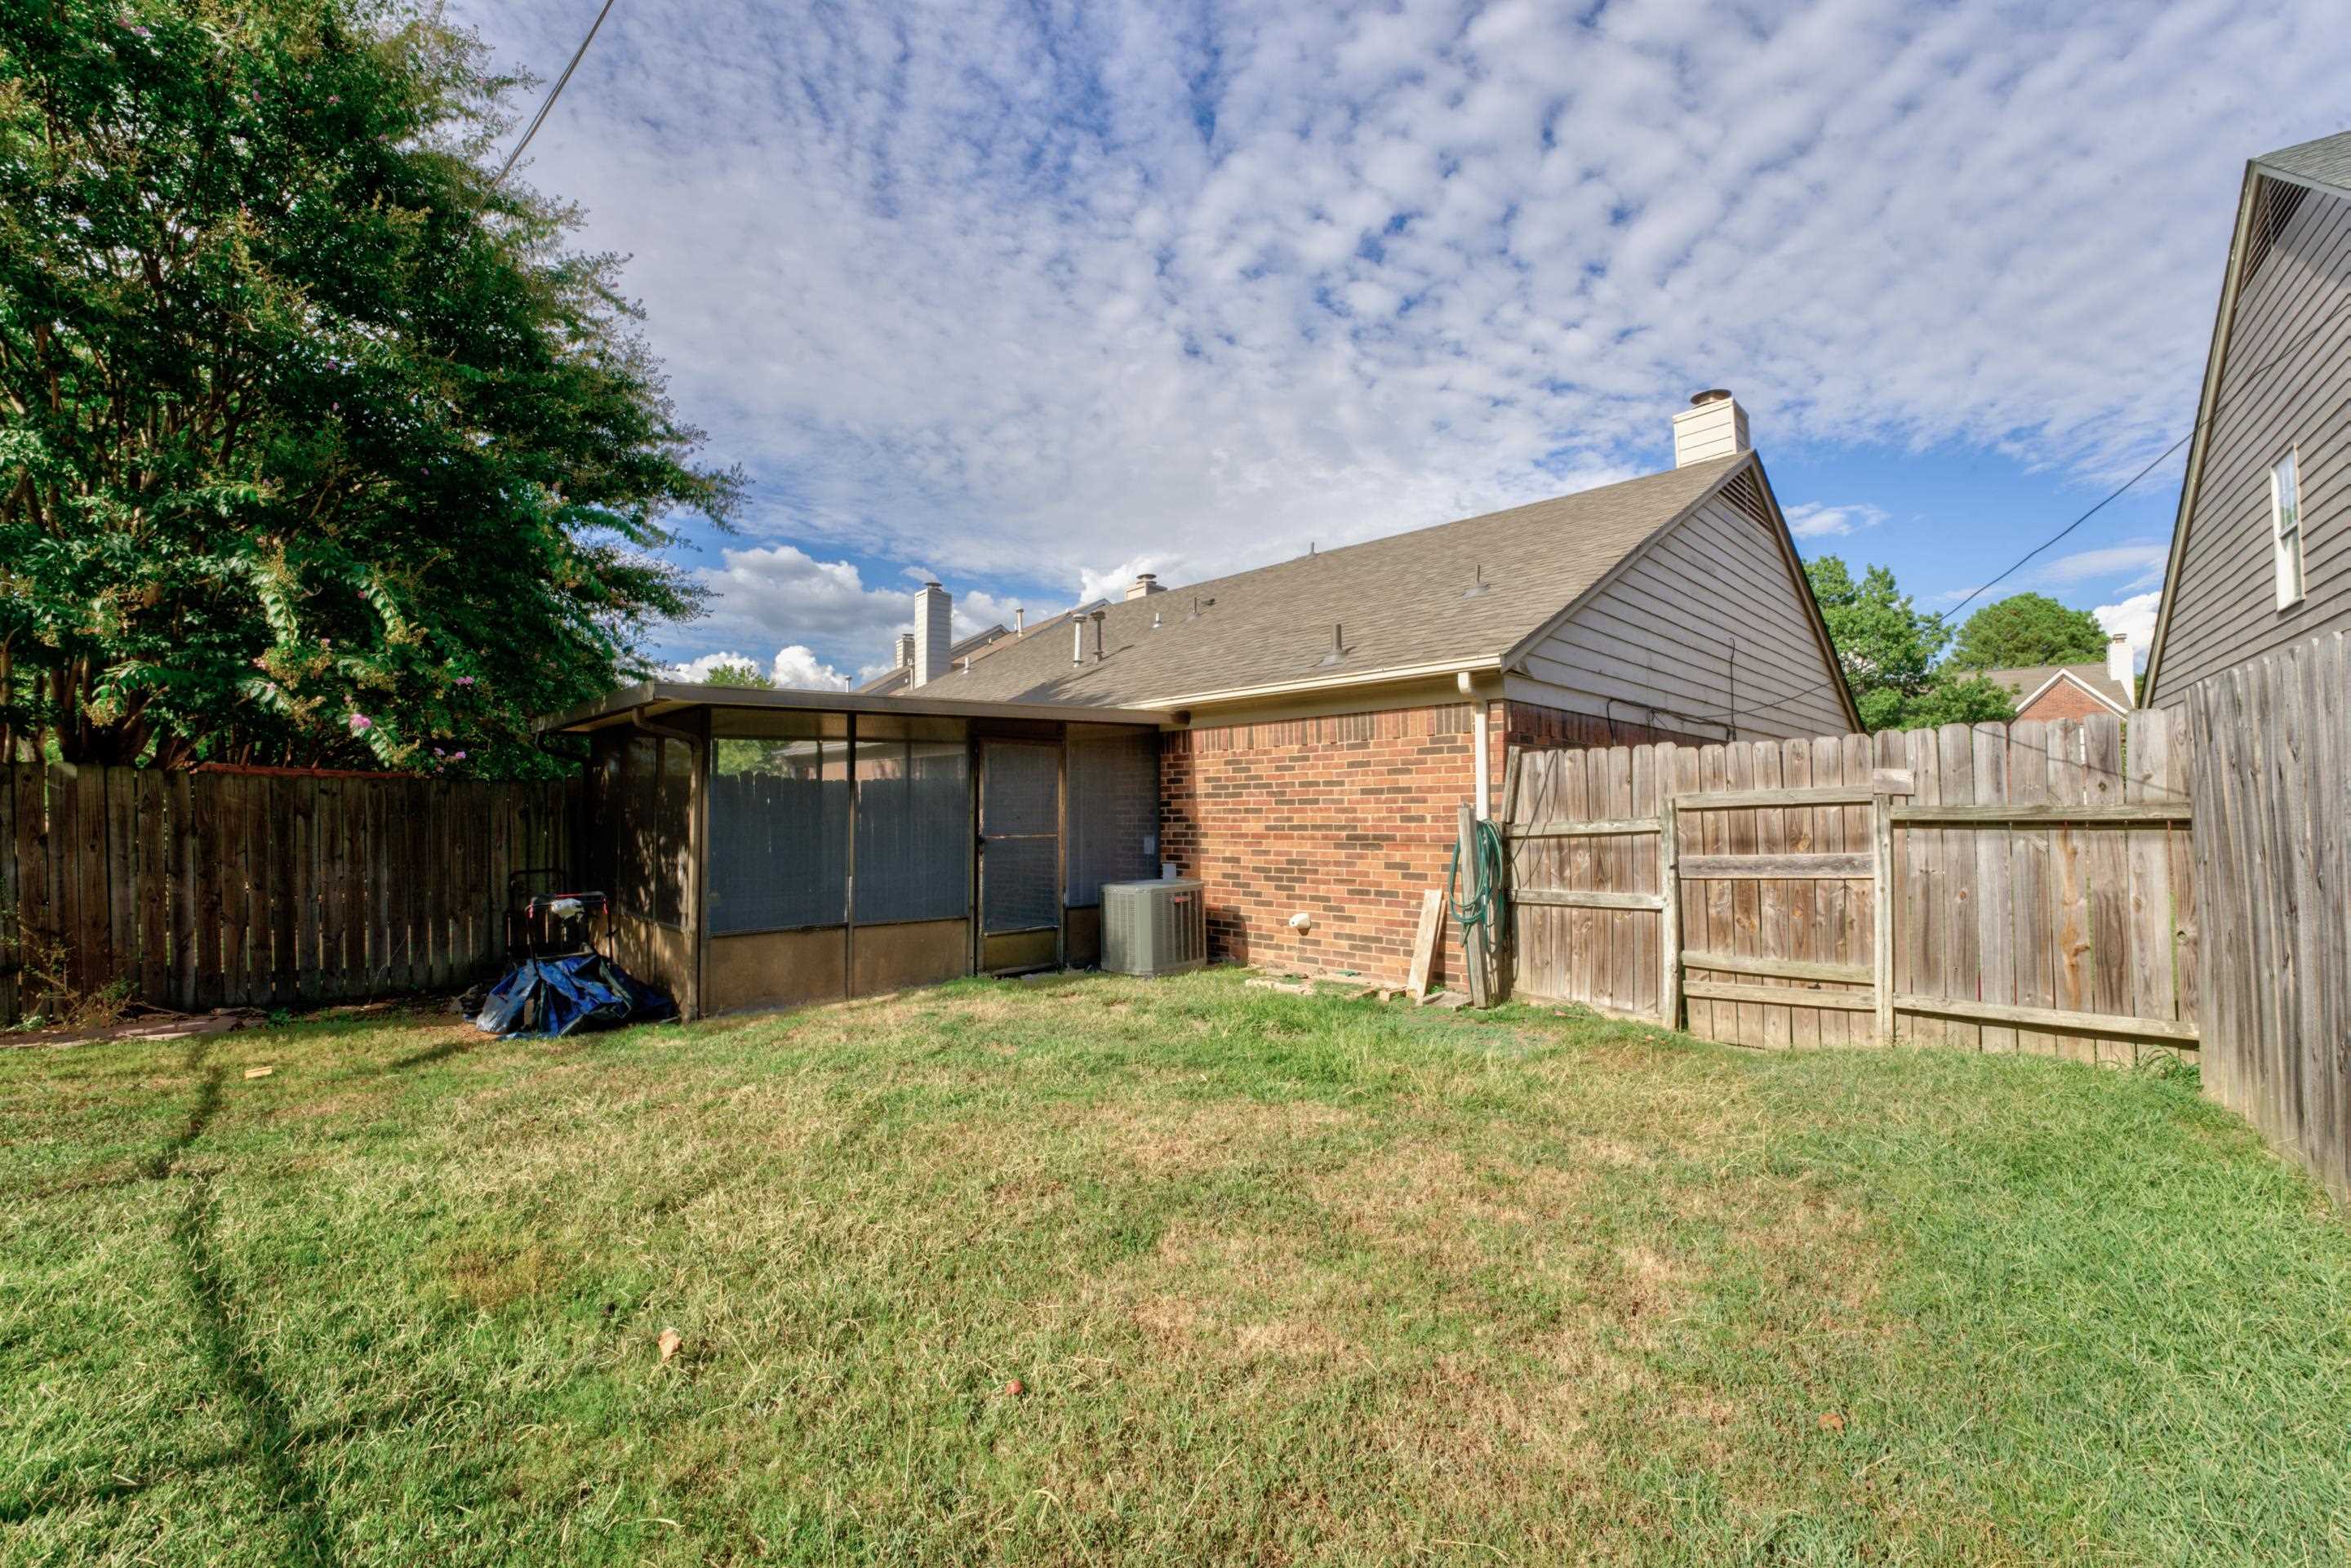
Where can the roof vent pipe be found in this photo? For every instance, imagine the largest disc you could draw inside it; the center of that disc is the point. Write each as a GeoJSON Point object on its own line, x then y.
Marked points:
{"type": "Point", "coordinates": [1098, 617]}
{"type": "Point", "coordinates": [1338, 647]}
{"type": "Point", "coordinates": [1020, 621]}
{"type": "Point", "coordinates": [1077, 642]}
{"type": "Point", "coordinates": [1477, 585]}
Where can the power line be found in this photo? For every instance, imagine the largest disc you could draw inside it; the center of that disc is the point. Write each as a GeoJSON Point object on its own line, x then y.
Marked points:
{"type": "Point", "coordinates": [557, 91]}
{"type": "Point", "coordinates": [2218, 406]}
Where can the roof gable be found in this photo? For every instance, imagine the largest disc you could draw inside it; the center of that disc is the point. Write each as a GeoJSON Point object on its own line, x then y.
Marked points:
{"type": "Point", "coordinates": [2323, 166]}
{"type": "Point", "coordinates": [2030, 683]}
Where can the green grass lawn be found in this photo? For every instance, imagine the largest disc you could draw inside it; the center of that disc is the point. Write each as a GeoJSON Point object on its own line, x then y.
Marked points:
{"type": "Point", "coordinates": [1282, 1280]}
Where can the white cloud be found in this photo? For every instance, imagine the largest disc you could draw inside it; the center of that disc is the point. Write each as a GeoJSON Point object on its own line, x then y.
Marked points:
{"type": "Point", "coordinates": [795, 667]}
{"type": "Point", "coordinates": [1814, 520]}
{"type": "Point", "coordinates": [2134, 617]}
{"type": "Point", "coordinates": [781, 592]}
{"type": "Point", "coordinates": [2141, 560]}
{"type": "Point", "coordinates": [1020, 291]}
{"type": "Point", "coordinates": [799, 668]}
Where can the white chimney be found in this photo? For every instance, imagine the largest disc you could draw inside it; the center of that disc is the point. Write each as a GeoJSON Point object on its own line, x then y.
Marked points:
{"type": "Point", "coordinates": [2118, 660]}
{"type": "Point", "coordinates": [1145, 583]}
{"type": "Point", "coordinates": [934, 609]}
{"type": "Point", "coordinates": [905, 649]}
{"type": "Point", "coordinates": [1714, 425]}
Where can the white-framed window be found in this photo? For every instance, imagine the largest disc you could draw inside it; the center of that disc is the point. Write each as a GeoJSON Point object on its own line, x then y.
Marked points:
{"type": "Point", "coordinates": [2285, 528]}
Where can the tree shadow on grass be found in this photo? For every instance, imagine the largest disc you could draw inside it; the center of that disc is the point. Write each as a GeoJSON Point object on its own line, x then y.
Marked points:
{"type": "Point", "coordinates": [432, 1053]}
{"type": "Point", "coordinates": [272, 1445]}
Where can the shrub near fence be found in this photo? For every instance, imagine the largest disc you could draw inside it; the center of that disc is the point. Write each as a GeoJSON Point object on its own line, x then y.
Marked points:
{"type": "Point", "coordinates": [258, 888]}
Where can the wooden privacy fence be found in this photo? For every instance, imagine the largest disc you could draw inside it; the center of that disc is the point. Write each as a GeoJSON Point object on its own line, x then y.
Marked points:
{"type": "Point", "coordinates": [261, 889]}
{"type": "Point", "coordinates": [2008, 887]}
{"type": "Point", "coordinates": [2272, 835]}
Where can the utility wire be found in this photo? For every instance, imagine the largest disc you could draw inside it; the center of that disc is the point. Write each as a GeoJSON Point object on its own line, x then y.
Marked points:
{"type": "Point", "coordinates": [553, 93]}
{"type": "Point", "coordinates": [2218, 406]}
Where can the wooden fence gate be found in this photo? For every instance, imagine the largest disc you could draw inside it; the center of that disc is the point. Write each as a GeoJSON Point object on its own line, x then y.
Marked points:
{"type": "Point", "coordinates": [2003, 887]}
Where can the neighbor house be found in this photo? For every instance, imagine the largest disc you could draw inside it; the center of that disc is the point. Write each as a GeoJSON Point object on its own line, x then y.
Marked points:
{"type": "Point", "coordinates": [2259, 553]}
{"type": "Point", "coordinates": [2071, 691]}
{"type": "Point", "coordinates": [1330, 713]}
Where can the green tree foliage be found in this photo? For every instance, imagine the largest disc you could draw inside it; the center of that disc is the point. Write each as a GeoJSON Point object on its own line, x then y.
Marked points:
{"type": "Point", "coordinates": [1888, 648]}
{"type": "Point", "coordinates": [2028, 629]}
{"type": "Point", "coordinates": [319, 447]}
{"type": "Point", "coordinates": [749, 675]}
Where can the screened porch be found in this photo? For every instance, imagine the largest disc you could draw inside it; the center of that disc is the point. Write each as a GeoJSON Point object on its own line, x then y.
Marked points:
{"type": "Point", "coordinates": [766, 849]}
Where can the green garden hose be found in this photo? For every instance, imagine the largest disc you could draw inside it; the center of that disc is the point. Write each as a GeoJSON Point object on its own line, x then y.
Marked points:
{"type": "Point", "coordinates": [1486, 905]}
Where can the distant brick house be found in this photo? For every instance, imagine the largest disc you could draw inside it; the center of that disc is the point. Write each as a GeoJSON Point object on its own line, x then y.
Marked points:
{"type": "Point", "coordinates": [1330, 713]}
{"type": "Point", "coordinates": [2071, 691]}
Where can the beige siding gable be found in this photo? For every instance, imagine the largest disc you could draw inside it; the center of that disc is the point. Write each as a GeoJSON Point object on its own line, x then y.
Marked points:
{"type": "Point", "coordinates": [1708, 619]}
{"type": "Point", "coordinates": [2284, 384]}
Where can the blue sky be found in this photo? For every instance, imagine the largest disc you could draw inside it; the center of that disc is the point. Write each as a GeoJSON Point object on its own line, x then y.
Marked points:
{"type": "Point", "coordinates": [1031, 297]}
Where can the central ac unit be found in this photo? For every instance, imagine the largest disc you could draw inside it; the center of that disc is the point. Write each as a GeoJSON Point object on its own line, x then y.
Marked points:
{"type": "Point", "coordinates": [1154, 927]}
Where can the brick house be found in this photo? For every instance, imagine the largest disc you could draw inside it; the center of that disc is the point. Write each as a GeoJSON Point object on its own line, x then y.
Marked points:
{"type": "Point", "coordinates": [1328, 713]}
{"type": "Point", "coordinates": [2071, 691]}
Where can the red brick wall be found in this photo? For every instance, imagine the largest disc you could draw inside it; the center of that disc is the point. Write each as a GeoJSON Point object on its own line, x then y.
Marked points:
{"type": "Point", "coordinates": [1348, 819]}
{"type": "Point", "coordinates": [2065, 700]}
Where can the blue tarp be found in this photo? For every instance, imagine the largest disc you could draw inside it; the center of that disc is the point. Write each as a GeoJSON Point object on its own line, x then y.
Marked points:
{"type": "Point", "coordinates": [556, 996]}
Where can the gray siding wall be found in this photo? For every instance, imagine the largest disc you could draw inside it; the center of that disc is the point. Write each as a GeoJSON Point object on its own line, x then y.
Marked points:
{"type": "Point", "coordinates": [1661, 635]}
{"type": "Point", "coordinates": [2224, 606]}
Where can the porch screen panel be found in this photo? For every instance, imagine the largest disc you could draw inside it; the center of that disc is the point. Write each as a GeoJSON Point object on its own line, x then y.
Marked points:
{"type": "Point", "coordinates": [1019, 817]}
{"type": "Point", "coordinates": [778, 834]}
{"type": "Point", "coordinates": [914, 830]}
{"type": "Point", "coordinates": [1114, 811]}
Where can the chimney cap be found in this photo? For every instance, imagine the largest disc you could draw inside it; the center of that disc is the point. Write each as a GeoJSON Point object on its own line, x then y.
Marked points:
{"type": "Point", "coordinates": [1711, 394]}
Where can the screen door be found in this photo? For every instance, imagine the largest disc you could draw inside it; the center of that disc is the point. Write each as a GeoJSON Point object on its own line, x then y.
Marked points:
{"type": "Point", "coordinates": [1019, 855]}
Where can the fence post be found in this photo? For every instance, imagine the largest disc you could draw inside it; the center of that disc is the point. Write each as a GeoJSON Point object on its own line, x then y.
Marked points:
{"type": "Point", "coordinates": [1881, 839]}
{"type": "Point", "coordinates": [1670, 884]}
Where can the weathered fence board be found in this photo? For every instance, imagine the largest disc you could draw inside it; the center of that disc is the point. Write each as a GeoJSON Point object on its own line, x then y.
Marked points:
{"type": "Point", "coordinates": [1997, 887]}
{"type": "Point", "coordinates": [2272, 769]}
{"type": "Point", "coordinates": [261, 889]}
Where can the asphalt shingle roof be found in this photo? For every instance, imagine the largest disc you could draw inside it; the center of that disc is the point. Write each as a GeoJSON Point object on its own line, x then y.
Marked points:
{"type": "Point", "coordinates": [1400, 603]}
{"type": "Point", "coordinates": [2326, 160]}
{"type": "Point", "coordinates": [2023, 681]}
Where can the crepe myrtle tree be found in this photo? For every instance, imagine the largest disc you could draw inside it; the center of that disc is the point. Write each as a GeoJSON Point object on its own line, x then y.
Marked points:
{"type": "Point", "coordinates": [319, 446]}
{"type": "Point", "coordinates": [1889, 649]}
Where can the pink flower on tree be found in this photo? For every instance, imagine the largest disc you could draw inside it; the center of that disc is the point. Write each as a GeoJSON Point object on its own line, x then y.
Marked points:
{"type": "Point", "coordinates": [361, 724]}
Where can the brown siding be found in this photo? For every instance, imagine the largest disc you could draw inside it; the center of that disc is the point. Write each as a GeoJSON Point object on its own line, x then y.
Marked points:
{"type": "Point", "coordinates": [1660, 635]}
{"type": "Point", "coordinates": [2285, 383]}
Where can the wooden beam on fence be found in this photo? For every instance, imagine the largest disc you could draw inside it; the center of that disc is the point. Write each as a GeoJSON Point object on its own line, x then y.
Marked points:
{"type": "Point", "coordinates": [2117, 1024]}
{"type": "Point", "coordinates": [1561, 829]}
{"type": "Point", "coordinates": [1569, 898]}
{"type": "Point", "coordinates": [1776, 868]}
{"type": "Point", "coordinates": [1809, 795]}
{"type": "Point", "coordinates": [1670, 923]}
{"type": "Point", "coordinates": [1780, 996]}
{"type": "Point", "coordinates": [1777, 968]}
{"type": "Point", "coordinates": [2126, 811]}
{"type": "Point", "coordinates": [1477, 950]}
{"type": "Point", "coordinates": [1881, 948]}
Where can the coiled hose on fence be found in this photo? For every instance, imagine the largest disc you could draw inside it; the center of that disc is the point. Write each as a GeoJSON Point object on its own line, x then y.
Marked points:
{"type": "Point", "coordinates": [1486, 905]}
